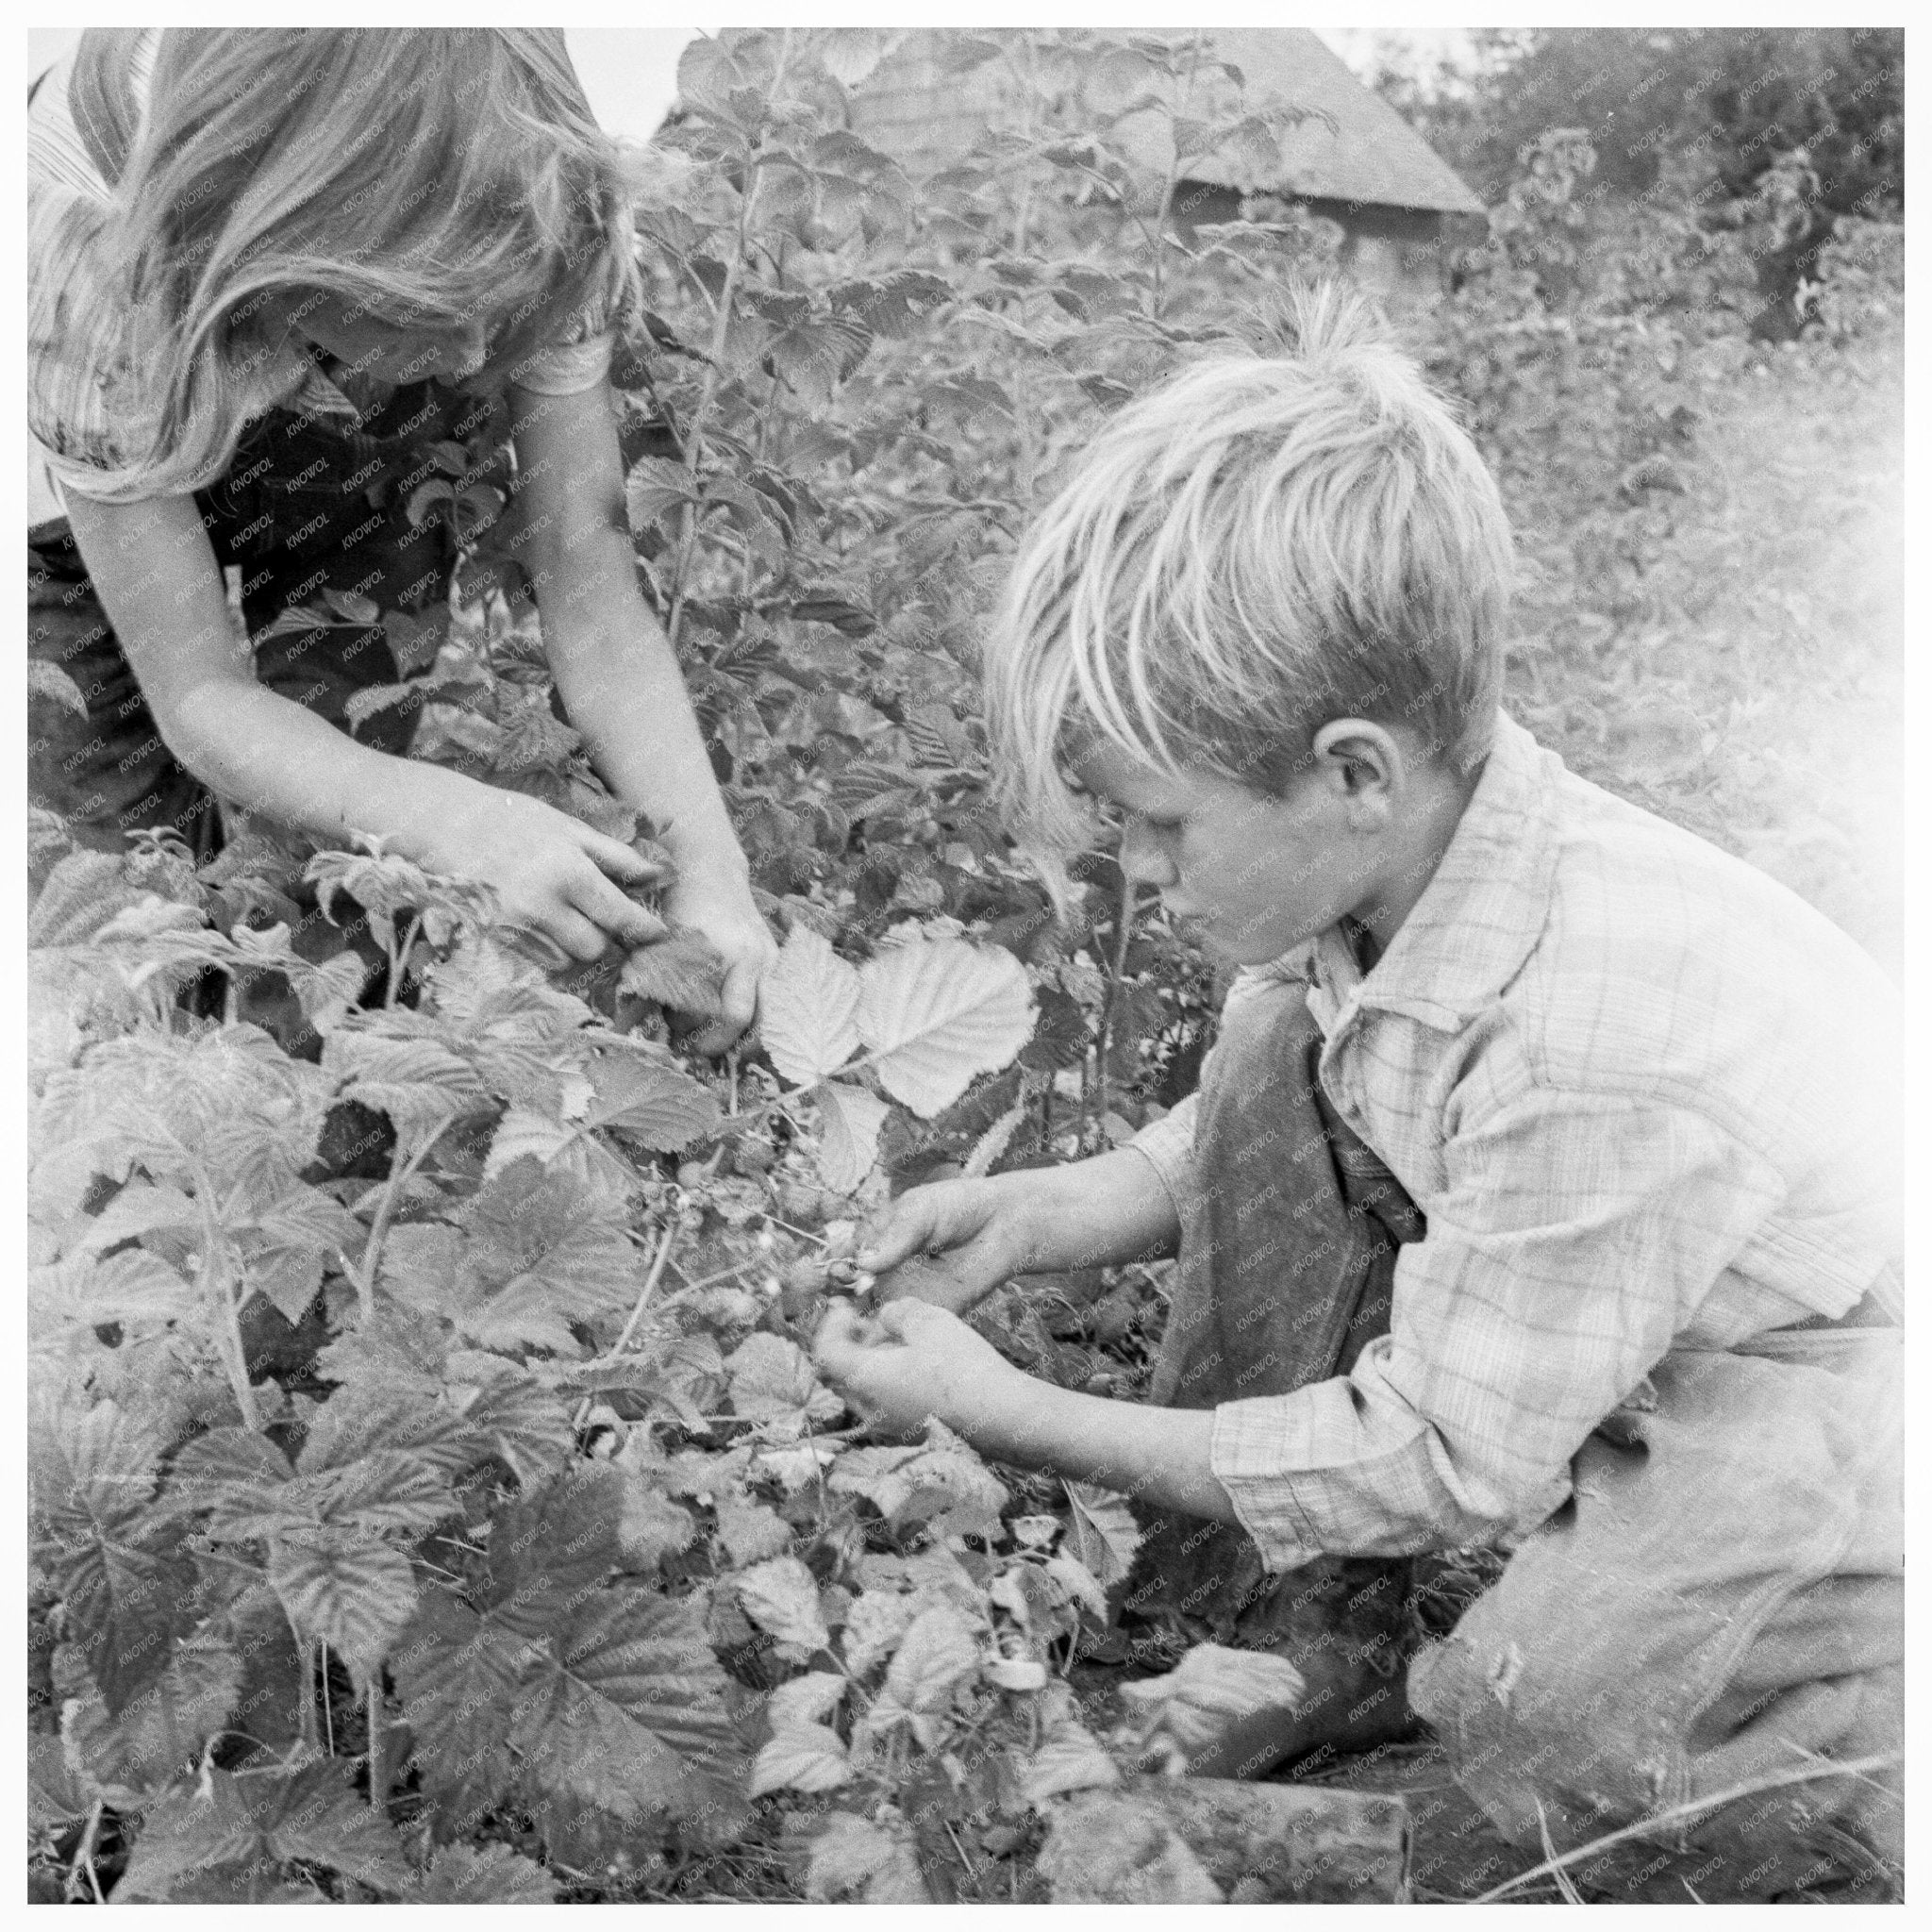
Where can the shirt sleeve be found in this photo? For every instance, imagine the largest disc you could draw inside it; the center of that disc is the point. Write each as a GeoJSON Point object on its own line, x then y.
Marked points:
{"type": "Point", "coordinates": [1169, 1143]}
{"type": "Point", "coordinates": [1576, 1236]}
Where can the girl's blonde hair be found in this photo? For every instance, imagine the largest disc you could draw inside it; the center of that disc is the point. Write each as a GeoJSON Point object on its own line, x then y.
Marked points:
{"type": "Point", "coordinates": [1262, 545]}
{"type": "Point", "coordinates": [426, 175]}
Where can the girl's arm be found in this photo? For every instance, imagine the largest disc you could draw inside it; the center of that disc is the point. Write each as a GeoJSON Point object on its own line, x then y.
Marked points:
{"type": "Point", "coordinates": [619, 679]}
{"type": "Point", "coordinates": [155, 574]}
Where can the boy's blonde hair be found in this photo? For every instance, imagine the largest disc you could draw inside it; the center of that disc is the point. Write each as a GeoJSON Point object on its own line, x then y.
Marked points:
{"type": "Point", "coordinates": [1262, 545]}
{"type": "Point", "coordinates": [425, 175]}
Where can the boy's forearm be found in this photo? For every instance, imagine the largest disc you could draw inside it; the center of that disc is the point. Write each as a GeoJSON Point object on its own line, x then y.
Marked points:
{"type": "Point", "coordinates": [1159, 1456]}
{"type": "Point", "coordinates": [1094, 1213]}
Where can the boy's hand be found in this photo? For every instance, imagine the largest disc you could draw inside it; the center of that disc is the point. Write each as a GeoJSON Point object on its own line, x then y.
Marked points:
{"type": "Point", "coordinates": [971, 1230]}
{"type": "Point", "coordinates": [914, 1360]}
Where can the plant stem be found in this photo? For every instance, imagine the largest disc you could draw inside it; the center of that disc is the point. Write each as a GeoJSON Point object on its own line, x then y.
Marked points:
{"type": "Point", "coordinates": [721, 330]}
{"type": "Point", "coordinates": [659, 1262]}
{"type": "Point", "coordinates": [328, 1712]}
{"type": "Point", "coordinates": [84, 1858]}
{"type": "Point", "coordinates": [385, 1213]}
{"type": "Point", "coordinates": [379, 1758]}
{"type": "Point", "coordinates": [399, 963]}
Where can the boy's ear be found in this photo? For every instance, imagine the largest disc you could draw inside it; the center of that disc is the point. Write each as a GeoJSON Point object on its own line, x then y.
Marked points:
{"type": "Point", "coordinates": [1363, 763]}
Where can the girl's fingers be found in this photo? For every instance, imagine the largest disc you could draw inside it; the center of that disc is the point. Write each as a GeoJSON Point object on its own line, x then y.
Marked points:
{"type": "Point", "coordinates": [594, 895]}
{"type": "Point", "coordinates": [617, 860]}
{"type": "Point", "coordinates": [837, 1339]}
{"type": "Point", "coordinates": [575, 934]}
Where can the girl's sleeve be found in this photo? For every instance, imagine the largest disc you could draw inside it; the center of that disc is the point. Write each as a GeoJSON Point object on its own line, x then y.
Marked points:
{"type": "Point", "coordinates": [563, 369]}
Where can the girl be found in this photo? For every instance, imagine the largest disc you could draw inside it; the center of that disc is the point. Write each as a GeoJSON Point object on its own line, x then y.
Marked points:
{"type": "Point", "coordinates": [267, 267]}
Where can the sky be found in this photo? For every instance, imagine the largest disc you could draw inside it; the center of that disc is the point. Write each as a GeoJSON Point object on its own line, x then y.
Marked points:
{"type": "Point", "coordinates": [630, 74]}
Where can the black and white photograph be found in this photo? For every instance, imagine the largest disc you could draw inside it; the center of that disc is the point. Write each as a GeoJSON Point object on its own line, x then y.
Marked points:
{"type": "Point", "coordinates": [965, 965]}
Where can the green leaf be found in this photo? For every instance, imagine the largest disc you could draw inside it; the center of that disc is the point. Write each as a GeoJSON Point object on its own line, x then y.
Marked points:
{"type": "Point", "coordinates": [808, 1009]}
{"type": "Point", "coordinates": [81, 894]}
{"type": "Point", "coordinates": [751, 1531]}
{"type": "Point", "coordinates": [354, 1592]}
{"type": "Point", "coordinates": [935, 1012]}
{"type": "Point", "coordinates": [419, 1084]}
{"type": "Point", "coordinates": [849, 1145]}
{"type": "Point", "coordinates": [626, 1713]}
{"type": "Point", "coordinates": [489, 1875]}
{"type": "Point", "coordinates": [457, 1674]}
{"type": "Point", "coordinates": [852, 1855]}
{"type": "Point", "coordinates": [781, 1597]}
{"type": "Point", "coordinates": [938, 1651]}
{"type": "Point", "coordinates": [127, 1587]}
{"type": "Point", "coordinates": [1104, 1533]}
{"type": "Point", "coordinates": [262, 1819]}
{"type": "Point", "coordinates": [160, 1732]}
{"type": "Point", "coordinates": [655, 487]}
{"type": "Point", "coordinates": [682, 971]}
{"type": "Point", "coordinates": [650, 1100]}
{"type": "Point", "coordinates": [1068, 1758]}
{"type": "Point", "coordinates": [771, 1381]}
{"type": "Point", "coordinates": [801, 1757]}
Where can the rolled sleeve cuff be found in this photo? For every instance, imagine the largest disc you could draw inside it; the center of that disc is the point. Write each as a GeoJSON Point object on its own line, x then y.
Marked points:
{"type": "Point", "coordinates": [1250, 1455]}
{"type": "Point", "coordinates": [1169, 1146]}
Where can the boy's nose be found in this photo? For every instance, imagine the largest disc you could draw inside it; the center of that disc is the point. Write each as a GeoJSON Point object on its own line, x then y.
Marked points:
{"type": "Point", "coordinates": [1143, 861]}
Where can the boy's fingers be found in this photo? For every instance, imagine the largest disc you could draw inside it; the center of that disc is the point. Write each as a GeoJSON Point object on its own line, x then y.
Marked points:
{"type": "Point", "coordinates": [737, 1000]}
{"type": "Point", "coordinates": [911, 1227]}
{"type": "Point", "coordinates": [577, 935]}
{"type": "Point", "coordinates": [841, 1337]}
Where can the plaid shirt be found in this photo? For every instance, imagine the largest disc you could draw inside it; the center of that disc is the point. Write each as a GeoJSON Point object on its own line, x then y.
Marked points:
{"type": "Point", "coordinates": [88, 405]}
{"type": "Point", "coordinates": [1647, 1099]}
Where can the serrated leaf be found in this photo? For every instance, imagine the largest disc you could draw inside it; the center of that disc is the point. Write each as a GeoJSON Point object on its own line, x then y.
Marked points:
{"type": "Point", "coordinates": [82, 893]}
{"type": "Point", "coordinates": [1104, 1533]}
{"type": "Point", "coordinates": [160, 1733]}
{"type": "Point", "coordinates": [651, 1527]}
{"type": "Point", "coordinates": [751, 1531]}
{"type": "Point", "coordinates": [419, 1084]}
{"type": "Point", "coordinates": [1070, 1758]}
{"type": "Point", "coordinates": [780, 1597]}
{"type": "Point", "coordinates": [806, 1699]}
{"type": "Point", "coordinates": [626, 1713]}
{"type": "Point", "coordinates": [801, 1757]}
{"type": "Point", "coordinates": [849, 1143]}
{"type": "Point", "coordinates": [127, 1587]}
{"type": "Point", "coordinates": [809, 1005]}
{"type": "Point", "coordinates": [851, 1855]}
{"type": "Point", "coordinates": [874, 1623]}
{"type": "Point", "coordinates": [657, 1104]}
{"type": "Point", "coordinates": [490, 1875]}
{"type": "Point", "coordinates": [772, 1380]}
{"type": "Point", "coordinates": [935, 1012]}
{"type": "Point", "coordinates": [347, 1588]}
{"type": "Point", "coordinates": [457, 1674]}
{"type": "Point", "coordinates": [939, 1650]}
{"type": "Point", "coordinates": [682, 971]}
{"type": "Point", "coordinates": [263, 1819]}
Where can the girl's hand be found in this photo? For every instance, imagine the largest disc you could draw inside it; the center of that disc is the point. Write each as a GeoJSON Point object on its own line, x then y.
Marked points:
{"type": "Point", "coordinates": [719, 906]}
{"type": "Point", "coordinates": [552, 875]}
{"type": "Point", "coordinates": [914, 1361]}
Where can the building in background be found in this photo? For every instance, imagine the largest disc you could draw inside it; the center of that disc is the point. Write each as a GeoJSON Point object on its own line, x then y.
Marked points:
{"type": "Point", "coordinates": [1352, 157]}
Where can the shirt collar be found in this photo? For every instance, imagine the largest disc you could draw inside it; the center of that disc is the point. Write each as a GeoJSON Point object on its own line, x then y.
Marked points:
{"type": "Point", "coordinates": [1478, 918]}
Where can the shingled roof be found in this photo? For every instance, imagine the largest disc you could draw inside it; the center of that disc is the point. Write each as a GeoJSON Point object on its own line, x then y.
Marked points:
{"type": "Point", "coordinates": [1352, 148]}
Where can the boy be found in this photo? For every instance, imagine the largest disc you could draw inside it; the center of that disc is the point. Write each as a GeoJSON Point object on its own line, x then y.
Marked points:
{"type": "Point", "coordinates": [1539, 1192]}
